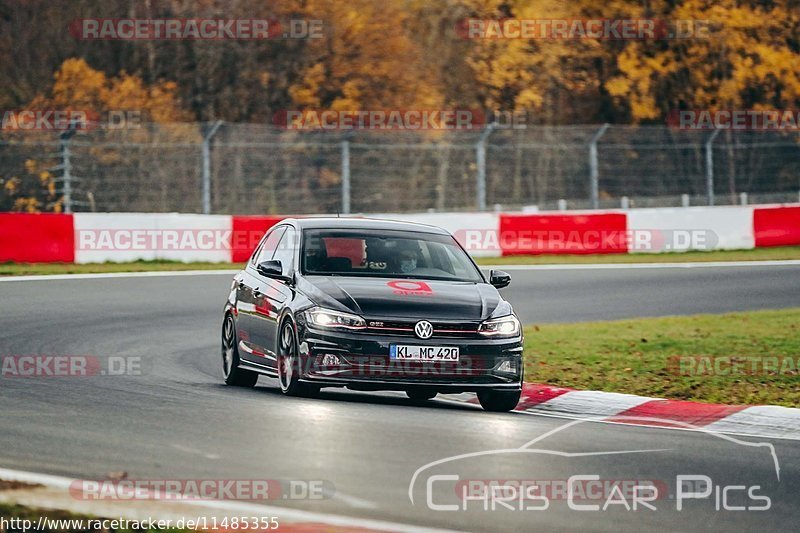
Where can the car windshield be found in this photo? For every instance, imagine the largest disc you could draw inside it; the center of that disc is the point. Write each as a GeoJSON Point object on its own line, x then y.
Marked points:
{"type": "Point", "coordinates": [386, 253]}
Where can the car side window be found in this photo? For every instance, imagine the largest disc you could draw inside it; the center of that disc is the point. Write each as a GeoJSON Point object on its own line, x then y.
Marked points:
{"type": "Point", "coordinates": [268, 246]}
{"type": "Point", "coordinates": [451, 264]}
{"type": "Point", "coordinates": [285, 251]}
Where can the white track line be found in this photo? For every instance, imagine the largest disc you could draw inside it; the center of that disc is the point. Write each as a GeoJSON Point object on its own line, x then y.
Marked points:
{"type": "Point", "coordinates": [622, 266]}
{"type": "Point", "coordinates": [237, 508]}
{"type": "Point", "coordinates": [592, 266]}
{"type": "Point", "coordinates": [150, 274]}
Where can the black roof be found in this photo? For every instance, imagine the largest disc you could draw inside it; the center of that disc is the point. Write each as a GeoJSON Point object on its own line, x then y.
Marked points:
{"type": "Point", "coordinates": [362, 223]}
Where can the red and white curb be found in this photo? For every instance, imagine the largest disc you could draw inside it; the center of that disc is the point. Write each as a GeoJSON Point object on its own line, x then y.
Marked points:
{"type": "Point", "coordinates": [753, 420]}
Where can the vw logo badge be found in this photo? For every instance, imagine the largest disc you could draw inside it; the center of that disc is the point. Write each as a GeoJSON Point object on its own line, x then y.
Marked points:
{"type": "Point", "coordinates": [423, 329]}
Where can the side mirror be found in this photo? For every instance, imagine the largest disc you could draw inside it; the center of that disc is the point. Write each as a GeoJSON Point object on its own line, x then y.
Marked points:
{"type": "Point", "coordinates": [272, 269]}
{"type": "Point", "coordinates": [499, 279]}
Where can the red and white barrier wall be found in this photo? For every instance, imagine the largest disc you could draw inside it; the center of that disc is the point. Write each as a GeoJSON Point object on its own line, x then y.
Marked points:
{"type": "Point", "coordinates": [120, 237]}
{"type": "Point", "coordinates": [37, 238]}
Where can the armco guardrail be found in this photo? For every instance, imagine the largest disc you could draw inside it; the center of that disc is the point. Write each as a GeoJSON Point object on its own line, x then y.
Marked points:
{"type": "Point", "coordinates": [120, 237]}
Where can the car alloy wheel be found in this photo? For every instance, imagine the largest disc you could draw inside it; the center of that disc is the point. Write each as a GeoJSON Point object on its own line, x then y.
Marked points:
{"type": "Point", "coordinates": [289, 365]}
{"type": "Point", "coordinates": [231, 371]}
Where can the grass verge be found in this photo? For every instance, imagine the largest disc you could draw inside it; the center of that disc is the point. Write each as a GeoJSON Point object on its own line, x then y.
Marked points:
{"type": "Point", "coordinates": [638, 357]}
{"type": "Point", "coordinates": [759, 254]}
{"type": "Point", "coordinates": [29, 269]}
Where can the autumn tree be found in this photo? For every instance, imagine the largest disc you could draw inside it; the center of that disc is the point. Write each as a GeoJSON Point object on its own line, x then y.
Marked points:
{"type": "Point", "coordinates": [746, 56]}
{"type": "Point", "coordinates": [30, 185]}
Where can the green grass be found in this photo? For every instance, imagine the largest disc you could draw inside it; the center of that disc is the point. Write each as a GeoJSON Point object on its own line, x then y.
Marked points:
{"type": "Point", "coordinates": [760, 254]}
{"type": "Point", "coordinates": [25, 269]}
{"type": "Point", "coordinates": [631, 356]}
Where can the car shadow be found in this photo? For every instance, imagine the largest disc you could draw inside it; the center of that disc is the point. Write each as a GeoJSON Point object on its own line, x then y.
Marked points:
{"type": "Point", "coordinates": [343, 395]}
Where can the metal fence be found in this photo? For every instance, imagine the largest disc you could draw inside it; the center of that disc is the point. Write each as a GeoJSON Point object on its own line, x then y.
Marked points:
{"type": "Point", "coordinates": [253, 168]}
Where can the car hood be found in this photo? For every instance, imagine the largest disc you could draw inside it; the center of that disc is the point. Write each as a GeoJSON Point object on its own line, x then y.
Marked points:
{"type": "Point", "coordinates": [405, 298]}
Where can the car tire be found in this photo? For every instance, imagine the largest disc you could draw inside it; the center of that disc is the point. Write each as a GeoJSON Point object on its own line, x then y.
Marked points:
{"type": "Point", "coordinates": [421, 395]}
{"type": "Point", "coordinates": [289, 365]}
{"type": "Point", "coordinates": [499, 401]}
{"type": "Point", "coordinates": [231, 372]}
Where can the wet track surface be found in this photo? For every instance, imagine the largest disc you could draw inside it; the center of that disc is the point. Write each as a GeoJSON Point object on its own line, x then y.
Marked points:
{"type": "Point", "coordinates": [176, 420]}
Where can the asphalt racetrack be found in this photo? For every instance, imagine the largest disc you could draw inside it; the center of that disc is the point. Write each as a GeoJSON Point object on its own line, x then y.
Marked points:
{"type": "Point", "coordinates": [176, 420]}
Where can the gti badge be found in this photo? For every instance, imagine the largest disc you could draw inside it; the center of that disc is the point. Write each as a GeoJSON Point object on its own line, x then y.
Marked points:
{"type": "Point", "coordinates": [423, 329]}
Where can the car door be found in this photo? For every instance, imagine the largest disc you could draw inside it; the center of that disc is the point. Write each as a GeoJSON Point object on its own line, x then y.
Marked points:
{"type": "Point", "coordinates": [249, 299]}
{"type": "Point", "coordinates": [273, 295]}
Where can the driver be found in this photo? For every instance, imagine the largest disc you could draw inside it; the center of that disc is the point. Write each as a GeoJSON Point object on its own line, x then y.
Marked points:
{"type": "Point", "coordinates": [408, 260]}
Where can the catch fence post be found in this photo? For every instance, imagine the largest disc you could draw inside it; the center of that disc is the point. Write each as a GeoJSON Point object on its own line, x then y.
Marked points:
{"type": "Point", "coordinates": [594, 170]}
{"type": "Point", "coordinates": [207, 166]}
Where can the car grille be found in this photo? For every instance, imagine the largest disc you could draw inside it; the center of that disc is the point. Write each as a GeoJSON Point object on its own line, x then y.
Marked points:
{"type": "Point", "coordinates": [406, 328]}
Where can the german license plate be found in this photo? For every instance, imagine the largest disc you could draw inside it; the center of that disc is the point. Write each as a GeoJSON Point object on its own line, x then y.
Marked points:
{"type": "Point", "coordinates": [402, 352]}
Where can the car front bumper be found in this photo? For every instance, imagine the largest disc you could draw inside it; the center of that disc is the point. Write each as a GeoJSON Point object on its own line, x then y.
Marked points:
{"type": "Point", "coordinates": [363, 362]}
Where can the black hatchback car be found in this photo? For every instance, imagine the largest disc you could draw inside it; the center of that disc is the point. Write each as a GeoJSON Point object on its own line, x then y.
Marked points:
{"type": "Point", "coordinates": [371, 305]}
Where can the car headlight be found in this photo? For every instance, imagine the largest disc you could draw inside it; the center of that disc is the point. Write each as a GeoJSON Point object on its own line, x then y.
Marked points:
{"type": "Point", "coordinates": [506, 326]}
{"type": "Point", "coordinates": [327, 318]}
